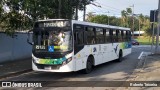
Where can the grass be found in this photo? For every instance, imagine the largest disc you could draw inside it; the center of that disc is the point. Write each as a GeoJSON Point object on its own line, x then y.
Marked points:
{"type": "Point", "coordinates": [145, 40]}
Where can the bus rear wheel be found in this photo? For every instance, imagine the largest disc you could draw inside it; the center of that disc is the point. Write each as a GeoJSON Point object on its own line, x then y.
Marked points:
{"type": "Point", "coordinates": [120, 56]}
{"type": "Point", "coordinates": [89, 66]}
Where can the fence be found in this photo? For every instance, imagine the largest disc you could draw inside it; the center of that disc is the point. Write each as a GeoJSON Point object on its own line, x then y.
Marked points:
{"type": "Point", "coordinates": [14, 48]}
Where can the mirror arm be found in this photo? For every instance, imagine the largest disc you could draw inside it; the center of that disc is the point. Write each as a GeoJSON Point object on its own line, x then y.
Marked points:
{"type": "Point", "coordinates": [29, 36]}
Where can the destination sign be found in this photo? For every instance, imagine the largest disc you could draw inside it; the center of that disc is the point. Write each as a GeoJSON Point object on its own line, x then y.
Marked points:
{"type": "Point", "coordinates": [53, 24]}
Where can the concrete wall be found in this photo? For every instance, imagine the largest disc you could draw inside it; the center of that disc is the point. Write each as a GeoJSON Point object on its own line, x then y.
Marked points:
{"type": "Point", "coordinates": [14, 48]}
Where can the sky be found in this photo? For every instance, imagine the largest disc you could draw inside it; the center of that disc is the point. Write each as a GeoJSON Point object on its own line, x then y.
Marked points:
{"type": "Point", "coordinates": [114, 7]}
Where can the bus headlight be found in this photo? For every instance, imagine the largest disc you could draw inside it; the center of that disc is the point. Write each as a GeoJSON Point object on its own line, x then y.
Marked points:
{"type": "Point", "coordinates": [64, 63]}
{"type": "Point", "coordinates": [67, 61]}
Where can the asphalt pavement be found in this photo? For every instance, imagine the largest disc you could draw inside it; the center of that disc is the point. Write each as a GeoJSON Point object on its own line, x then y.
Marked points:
{"type": "Point", "coordinates": [147, 70]}
{"type": "Point", "coordinates": [151, 69]}
{"type": "Point", "coordinates": [12, 68]}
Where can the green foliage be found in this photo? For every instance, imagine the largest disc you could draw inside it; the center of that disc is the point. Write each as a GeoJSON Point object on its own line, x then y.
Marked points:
{"type": "Point", "coordinates": [126, 20]}
{"type": "Point", "coordinates": [23, 13]}
{"type": "Point", "coordinates": [102, 19]}
{"type": "Point", "coordinates": [144, 40]}
{"type": "Point", "coordinates": [129, 11]}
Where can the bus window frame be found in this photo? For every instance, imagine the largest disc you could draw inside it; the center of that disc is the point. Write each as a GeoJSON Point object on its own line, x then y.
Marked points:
{"type": "Point", "coordinates": [111, 35]}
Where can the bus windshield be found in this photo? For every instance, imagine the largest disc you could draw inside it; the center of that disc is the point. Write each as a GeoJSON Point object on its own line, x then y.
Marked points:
{"type": "Point", "coordinates": [54, 40]}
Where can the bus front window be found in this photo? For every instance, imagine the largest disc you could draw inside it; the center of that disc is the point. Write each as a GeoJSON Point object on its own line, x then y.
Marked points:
{"type": "Point", "coordinates": [60, 40]}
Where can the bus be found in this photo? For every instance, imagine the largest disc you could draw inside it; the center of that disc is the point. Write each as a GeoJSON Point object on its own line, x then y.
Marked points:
{"type": "Point", "coordinates": [61, 45]}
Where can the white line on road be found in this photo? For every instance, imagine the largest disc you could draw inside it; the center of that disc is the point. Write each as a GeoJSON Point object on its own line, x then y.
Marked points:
{"type": "Point", "coordinates": [140, 55]}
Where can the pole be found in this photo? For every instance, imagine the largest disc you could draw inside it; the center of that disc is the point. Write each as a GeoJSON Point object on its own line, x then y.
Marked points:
{"type": "Point", "coordinates": [84, 14]}
{"type": "Point", "coordinates": [108, 17]}
{"type": "Point", "coordinates": [152, 25]}
{"type": "Point", "coordinates": [76, 17]}
{"type": "Point", "coordinates": [139, 27]}
{"type": "Point", "coordinates": [59, 11]}
{"type": "Point", "coordinates": [133, 26]}
{"type": "Point", "coordinates": [133, 20]}
{"type": "Point", "coordinates": [158, 27]}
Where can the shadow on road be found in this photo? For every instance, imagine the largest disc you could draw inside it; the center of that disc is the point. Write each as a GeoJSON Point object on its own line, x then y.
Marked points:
{"type": "Point", "coordinates": [105, 72]}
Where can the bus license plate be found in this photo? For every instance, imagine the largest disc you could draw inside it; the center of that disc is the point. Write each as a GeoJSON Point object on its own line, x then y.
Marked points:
{"type": "Point", "coordinates": [47, 67]}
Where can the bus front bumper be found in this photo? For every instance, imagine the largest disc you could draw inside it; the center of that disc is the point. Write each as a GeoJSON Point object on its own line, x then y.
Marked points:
{"type": "Point", "coordinates": [48, 68]}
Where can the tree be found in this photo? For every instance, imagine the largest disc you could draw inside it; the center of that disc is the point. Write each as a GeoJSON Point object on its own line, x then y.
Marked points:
{"type": "Point", "coordinates": [90, 15]}
{"type": "Point", "coordinates": [126, 15]}
{"type": "Point", "coordinates": [103, 19]}
{"type": "Point", "coordinates": [129, 11]}
{"type": "Point", "coordinates": [125, 21]}
{"type": "Point", "coordinates": [24, 12]}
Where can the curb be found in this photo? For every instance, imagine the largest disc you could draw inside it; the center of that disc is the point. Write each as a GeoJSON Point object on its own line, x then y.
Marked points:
{"type": "Point", "coordinates": [16, 73]}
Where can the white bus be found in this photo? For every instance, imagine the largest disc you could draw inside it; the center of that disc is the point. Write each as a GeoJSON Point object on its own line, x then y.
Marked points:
{"type": "Point", "coordinates": [68, 45]}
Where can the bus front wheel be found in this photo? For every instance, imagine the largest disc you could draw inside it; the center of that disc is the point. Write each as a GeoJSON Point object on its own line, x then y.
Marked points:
{"type": "Point", "coordinates": [89, 66]}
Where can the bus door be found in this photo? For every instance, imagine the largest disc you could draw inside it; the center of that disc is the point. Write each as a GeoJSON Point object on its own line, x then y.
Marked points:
{"type": "Point", "coordinates": [79, 46]}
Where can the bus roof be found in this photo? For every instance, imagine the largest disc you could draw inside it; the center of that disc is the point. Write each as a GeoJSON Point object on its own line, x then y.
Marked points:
{"type": "Point", "coordinates": [99, 25]}
{"type": "Point", "coordinates": [89, 24]}
{"type": "Point", "coordinates": [50, 20]}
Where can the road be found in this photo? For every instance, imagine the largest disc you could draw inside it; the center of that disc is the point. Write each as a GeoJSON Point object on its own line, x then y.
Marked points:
{"type": "Point", "coordinates": [111, 71]}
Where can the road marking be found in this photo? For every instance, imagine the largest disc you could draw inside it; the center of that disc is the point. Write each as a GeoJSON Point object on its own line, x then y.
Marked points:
{"type": "Point", "coordinates": [144, 54]}
{"type": "Point", "coordinates": [140, 55]}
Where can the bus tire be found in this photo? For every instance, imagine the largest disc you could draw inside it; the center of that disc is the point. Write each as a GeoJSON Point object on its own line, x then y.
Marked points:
{"type": "Point", "coordinates": [120, 56]}
{"type": "Point", "coordinates": [89, 66]}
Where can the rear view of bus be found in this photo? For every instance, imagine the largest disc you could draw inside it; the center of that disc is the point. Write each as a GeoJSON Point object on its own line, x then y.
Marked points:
{"type": "Point", "coordinates": [52, 46]}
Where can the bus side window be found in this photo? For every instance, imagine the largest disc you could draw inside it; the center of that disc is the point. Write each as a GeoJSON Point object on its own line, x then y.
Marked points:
{"type": "Point", "coordinates": [85, 36]}
{"type": "Point", "coordinates": [80, 37]}
{"type": "Point", "coordinates": [127, 39]}
{"type": "Point", "coordinates": [107, 37]}
{"type": "Point", "coordinates": [99, 35]}
{"type": "Point", "coordinates": [90, 32]}
{"type": "Point", "coordinates": [75, 38]}
{"type": "Point", "coordinates": [118, 39]}
{"type": "Point", "coordinates": [114, 36]}
{"type": "Point", "coordinates": [111, 35]}
{"type": "Point", "coordinates": [129, 35]}
{"type": "Point", "coordinates": [122, 35]}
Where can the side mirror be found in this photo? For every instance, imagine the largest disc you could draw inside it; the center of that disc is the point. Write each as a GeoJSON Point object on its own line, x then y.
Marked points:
{"type": "Point", "coordinates": [29, 37]}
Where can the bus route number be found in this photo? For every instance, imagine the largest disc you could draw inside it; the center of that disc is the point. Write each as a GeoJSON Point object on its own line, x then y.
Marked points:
{"type": "Point", "coordinates": [40, 47]}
